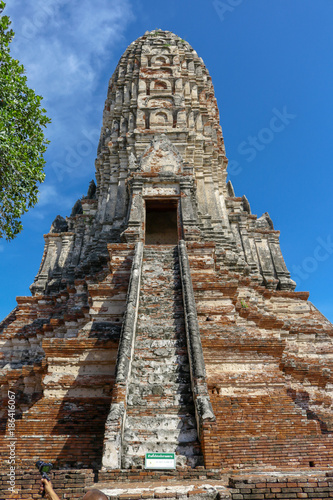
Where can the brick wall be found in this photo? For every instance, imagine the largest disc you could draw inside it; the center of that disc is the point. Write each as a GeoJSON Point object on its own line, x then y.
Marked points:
{"type": "Point", "coordinates": [288, 487]}
{"type": "Point", "coordinates": [68, 484]}
{"type": "Point", "coordinates": [72, 484]}
{"type": "Point", "coordinates": [64, 351]}
{"type": "Point", "coordinates": [259, 347]}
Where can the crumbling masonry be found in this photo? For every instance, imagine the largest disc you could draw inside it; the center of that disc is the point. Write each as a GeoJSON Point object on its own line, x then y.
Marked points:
{"type": "Point", "coordinates": [163, 316]}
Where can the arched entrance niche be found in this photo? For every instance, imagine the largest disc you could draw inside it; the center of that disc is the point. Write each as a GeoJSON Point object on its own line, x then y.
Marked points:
{"type": "Point", "coordinates": [162, 193]}
{"type": "Point", "coordinates": [162, 219]}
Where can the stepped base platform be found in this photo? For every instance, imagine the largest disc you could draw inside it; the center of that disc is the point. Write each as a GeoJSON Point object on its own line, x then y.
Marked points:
{"type": "Point", "coordinates": [182, 483]}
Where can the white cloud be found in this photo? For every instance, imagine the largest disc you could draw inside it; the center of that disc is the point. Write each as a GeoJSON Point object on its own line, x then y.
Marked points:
{"type": "Point", "coordinates": [49, 196]}
{"type": "Point", "coordinates": [64, 46]}
{"type": "Point", "coordinates": [61, 43]}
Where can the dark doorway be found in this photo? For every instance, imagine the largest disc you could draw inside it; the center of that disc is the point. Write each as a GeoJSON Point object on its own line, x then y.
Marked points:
{"type": "Point", "coordinates": [161, 222]}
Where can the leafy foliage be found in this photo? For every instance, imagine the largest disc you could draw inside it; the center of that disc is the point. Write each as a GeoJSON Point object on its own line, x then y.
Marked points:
{"type": "Point", "coordinates": [22, 141]}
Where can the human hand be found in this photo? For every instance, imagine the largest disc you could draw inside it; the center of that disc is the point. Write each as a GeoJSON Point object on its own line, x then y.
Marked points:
{"type": "Point", "coordinates": [46, 486]}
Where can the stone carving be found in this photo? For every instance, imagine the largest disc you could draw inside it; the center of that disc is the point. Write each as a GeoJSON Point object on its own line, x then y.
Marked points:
{"type": "Point", "coordinates": [59, 225]}
{"type": "Point", "coordinates": [91, 195]}
{"type": "Point", "coordinates": [161, 156]}
{"type": "Point", "coordinates": [230, 189]}
{"type": "Point", "coordinates": [77, 209]}
{"type": "Point", "coordinates": [265, 222]}
{"type": "Point", "coordinates": [132, 162]}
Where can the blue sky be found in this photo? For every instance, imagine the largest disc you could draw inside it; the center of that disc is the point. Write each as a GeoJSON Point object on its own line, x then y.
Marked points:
{"type": "Point", "coordinates": [267, 59]}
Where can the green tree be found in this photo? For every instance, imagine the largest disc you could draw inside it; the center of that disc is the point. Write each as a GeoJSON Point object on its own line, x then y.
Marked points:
{"type": "Point", "coordinates": [22, 141]}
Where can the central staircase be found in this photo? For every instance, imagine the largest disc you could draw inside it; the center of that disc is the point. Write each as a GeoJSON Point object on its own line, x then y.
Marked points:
{"type": "Point", "coordinates": [160, 413]}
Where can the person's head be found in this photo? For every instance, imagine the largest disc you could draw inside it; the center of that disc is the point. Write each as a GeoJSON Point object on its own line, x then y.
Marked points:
{"type": "Point", "coordinates": [94, 495]}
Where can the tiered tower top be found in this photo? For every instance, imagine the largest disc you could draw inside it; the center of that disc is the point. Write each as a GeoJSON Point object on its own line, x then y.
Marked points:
{"type": "Point", "coordinates": [161, 174]}
{"type": "Point", "coordinates": [160, 86]}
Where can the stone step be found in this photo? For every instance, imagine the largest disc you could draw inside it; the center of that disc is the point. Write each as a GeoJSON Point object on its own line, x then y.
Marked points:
{"type": "Point", "coordinates": [160, 412]}
{"type": "Point", "coordinates": [177, 330]}
{"type": "Point", "coordinates": [165, 313]}
{"type": "Point", "coordinates": [158, 389]}
{"type": "Point", "coordinates": [143, 342]}
{"type": "Point", "coordinates": [151, 290]}
{"type": "Point", "coordinates": [157, 401]}
{"type": "Point", "coordinates": [166, 261]}
{"type": "Point", "coordinates": [162, 273]}
{"type": "Point", "coordinates": [164, 422]}
{"type": "Point", "coordinates": [158, 435]}
{"type": "Point", "coordinates": [176, 364]}
{"type": "Point", "coordinates": [163, 355]}
{"type": "Point", "coordinates": [149, 337]}
{"type": "Point", "coordinates": [160, 251]}
{"type": "Point", "coordinates": [159, 330]}
{"type": "Point", "coordinates": [167, 310]}
{"type": "Point", "coordinates": [145, 350]}
{"type": "Point", "coordinates": [163, 320]}
{"type": "Point", "coordinates": [180, 375]}
{"type": "Point", "coordinates": [166, 278]}
{"type": "Point", "coordinates": [163, 278]}
{"type": "Point", "coordinates": [154, 289]}
{"type": "Point", "coordinates": [159, 321]}
{"type": "Point", "coordinates": [189, 449]}
{"type": "Point", "coordinates": [177, 344]}
{"type": "Point", "coordinates": [176, 411]}
{"type": "Point", "coordinates": [162, 303]}
{"type": "Point", "coordinates": [170, 295]}
{"type": "Point", "coordinates": [155, 334]}
{"type": "Point", "coordinates": [159, 270]}
{"type": "Point", "coordinates": [154, 299]}
{"type": "Point", "coordinates": [173, 378]}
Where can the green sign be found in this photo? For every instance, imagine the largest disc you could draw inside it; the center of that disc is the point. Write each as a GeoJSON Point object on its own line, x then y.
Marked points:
{"type": "Point", "coordinates": [160, 461]}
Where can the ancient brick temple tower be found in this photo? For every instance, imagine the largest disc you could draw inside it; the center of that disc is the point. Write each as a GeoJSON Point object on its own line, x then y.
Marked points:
{"type": "Point", "coordinates": [163, 316]}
